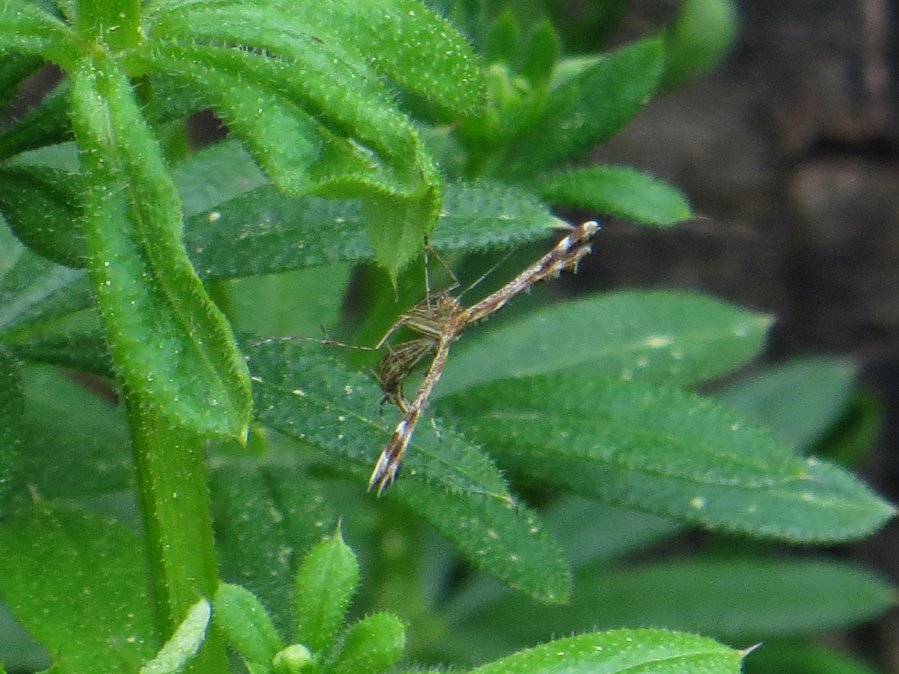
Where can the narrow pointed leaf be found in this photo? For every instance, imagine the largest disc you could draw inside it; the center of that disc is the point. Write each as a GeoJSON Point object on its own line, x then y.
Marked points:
{"type": "Point", "coordinates": [664, 451]}
{"type": "Point", "coordinates": [741, 600]}
{"type": "Point", "coordinates": [590, 107]}
{"type": "Point", "coordinates": [621, 652]}
{"type": "Point", "coordinates": [92, 623]}
{"type": "Point", "coordinates": [314, 398]}
{"type": "Point", "coordinates": [264, 231]}
{"type": "Point", "coordinates": [183, 644]}
{"type": "Point", "coordinates": [325, 583]}
{"type": "Point", "coordinates": [170, 344]}
{"type": "Point", "coordinates": [673, 337]}
{"type": "Point", "coordinates": [622, 192]}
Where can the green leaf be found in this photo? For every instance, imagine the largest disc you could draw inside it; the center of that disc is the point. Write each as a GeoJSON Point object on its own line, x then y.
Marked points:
{"type": "Point", "coordinates": [264, 231]}
{"type": "Point", "coordinates": [622, 192]}
{"type": "Point", "coordinates": [41, 206]}
{"type": "Point", "coordinates": [314, 398]}
{"type": "Point", "coordinates": [655, 651]}
{"type": "Point", "coordinates": [505, 540]}
{"type": "Point", "coordinates": [57, 409]}
{"type": "Point", "coordinates": [13, 71]}
{"type": "Point", "coordinates": [798, 400]}
{"type": "Point", "coordinates": [246, 626]}
{"type": "Point", "coordinates": [372, 645]}
{"type": "Point", "coordinates": [308, 395]}
{"type": "Point", "coordinates": [503, 38]}
{"type": "Point", "coordinates": [266, 518]}
{"type": "Point", "coordinates": [183, 645]}
{"type": "Point", "coordinates": [541, 52]}
{"type": "Point", "coordinates": [740, 599]}
{"type": "Point", "coordinates": [325, 583]}
{"type": "Point", "coordinates": [664, 451]}
{"type": "Point", "coordinates": [698, 40]}
{"type": "Point", "coordinates": [214, 175]}
{"type": "Point", "coordinates": [327, 124]}
{"type": "Point", "coordinates": [85, 352]}
{"type": "Point", "coordinates": [12, 405]}
{"type": "Point", "coordinates": [803, 659]}
{"type": "Point", "coordinates": [413, 46]}
{"type": "Point", "coordinates": [41, 127]}
{"type": "Point", "coordinates": [92, 623]}
{"type": "Point", "coordinates": [171, 345]}
{"type": "Point", "coordinates": [25, 28]}
{"type": "Point", "coordinates": [589, 108]}
{"type": "Point", "coordinates": [664, 336]}
{"type": "Point", "coordinates": [34, 290]}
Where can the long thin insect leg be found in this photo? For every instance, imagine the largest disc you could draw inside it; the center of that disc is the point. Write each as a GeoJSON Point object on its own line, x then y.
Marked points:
{"type": "Point", "coordinates": [388, 464]}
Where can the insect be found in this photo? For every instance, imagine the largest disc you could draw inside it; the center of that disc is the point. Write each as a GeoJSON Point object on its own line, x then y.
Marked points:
{"type": "Point", "coordinates": [440, 320]}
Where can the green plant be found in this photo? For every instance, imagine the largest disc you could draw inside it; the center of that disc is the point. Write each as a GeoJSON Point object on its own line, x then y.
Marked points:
{"type": "Point", "coordinates": [375, 125]}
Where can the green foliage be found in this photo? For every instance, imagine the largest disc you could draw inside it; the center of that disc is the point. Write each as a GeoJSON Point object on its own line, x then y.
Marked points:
{"type": "Point", "coordinates": [564, 438]}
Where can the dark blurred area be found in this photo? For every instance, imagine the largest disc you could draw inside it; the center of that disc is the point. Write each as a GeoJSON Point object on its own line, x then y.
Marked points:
{"type": "Point", "coordinates": [789, 154]}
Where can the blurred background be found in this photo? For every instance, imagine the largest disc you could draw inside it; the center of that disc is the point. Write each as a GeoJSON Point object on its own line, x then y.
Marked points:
{"type": "Point", "coordinates": [789, 153]}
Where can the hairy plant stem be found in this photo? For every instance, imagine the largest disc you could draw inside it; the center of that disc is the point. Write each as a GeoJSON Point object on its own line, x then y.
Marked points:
{"type": "Point", "coordinates": [175, 503]}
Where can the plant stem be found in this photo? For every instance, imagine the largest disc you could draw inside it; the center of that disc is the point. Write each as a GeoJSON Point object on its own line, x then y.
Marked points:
{"type": "Point", "coordinates": [174, 499]}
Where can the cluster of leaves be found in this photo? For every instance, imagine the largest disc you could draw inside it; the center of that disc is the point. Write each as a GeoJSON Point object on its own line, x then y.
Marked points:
{"type": "Point", "coordinates": [375, 125]}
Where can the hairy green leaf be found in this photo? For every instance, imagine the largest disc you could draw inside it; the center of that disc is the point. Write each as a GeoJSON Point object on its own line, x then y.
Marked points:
{"type": "Point", "coordinates": [314, 398]}
{"type": "Point", "coordinates": [505, 540]}
{"type": "Point", "coordinates": [92, 623]}
{"type": "Point", "coordinates": [326, 581]}
{"type": "Point", "coordinates": [264, 231]}
{"type": "Point", "coordinates": [246, 626]}
{"type": "Point", "coordinates": [621, 651]}
{"type": "Point", "coordinates": [171, 345]}
{"type": "Point", "coordinates": [372, 645]}
{"type": "Point", "coordinates": [590, 107]}
{"type": "Point", "coordinates": [12, 406]}
{"type": "Point", "coordinates": [183, 644]}
{"type": "Point", "coordinates": [316, 123]}
{"type": "Point", "coordinates": [799, 400]}
{"type": "Point", "coordinates": [266, 517]}
{"type": "Point", "coordinates": [622, 192]}
{"type": "Point", "coordinates": [664, 451]}
{"type": "Point", "coordinates": [26, 28]}
{"type": "Point", "coordinates": [675, 337]}
{"type": "Point", "coordinates": [41, 206]}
